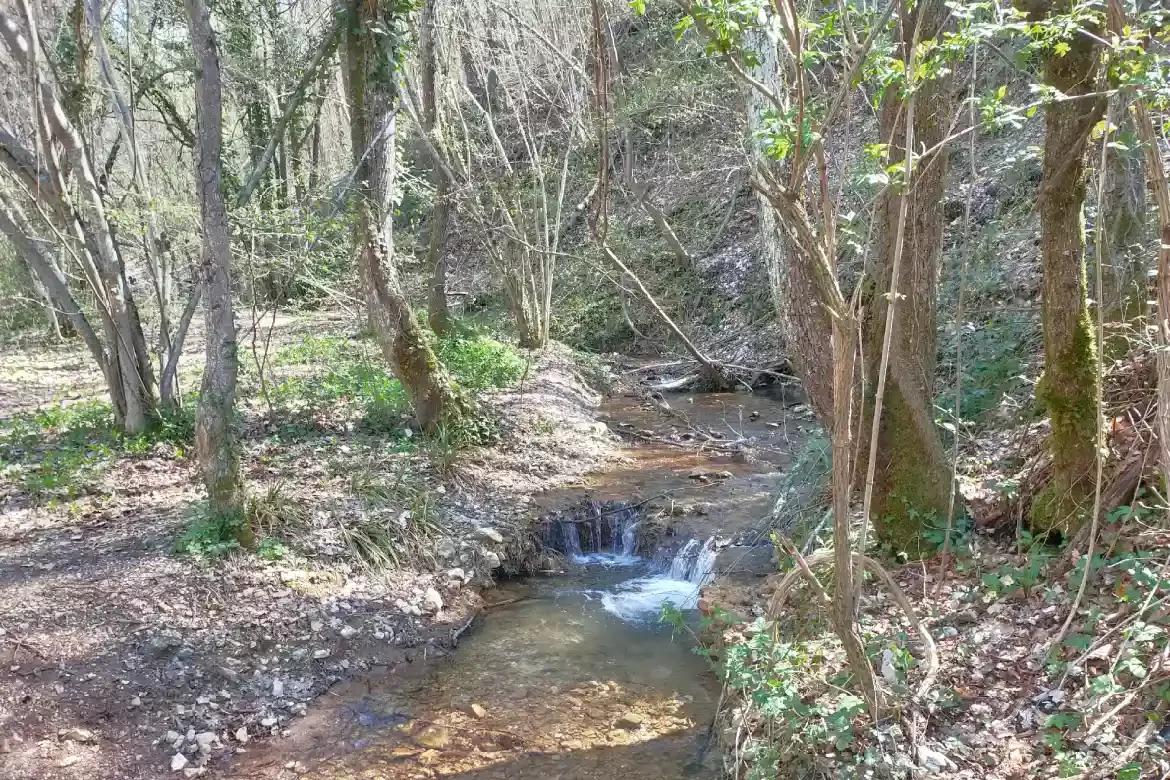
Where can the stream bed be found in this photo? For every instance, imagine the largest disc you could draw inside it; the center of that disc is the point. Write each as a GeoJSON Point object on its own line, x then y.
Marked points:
{"type": "Point", "coordinates": [573, 676]}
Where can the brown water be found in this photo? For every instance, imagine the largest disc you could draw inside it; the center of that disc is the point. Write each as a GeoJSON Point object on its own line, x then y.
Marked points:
{"type": "Point", "coordinates": [562, 688]}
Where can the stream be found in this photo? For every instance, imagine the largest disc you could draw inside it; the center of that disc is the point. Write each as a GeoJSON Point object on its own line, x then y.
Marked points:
{"type": "Point", "coordinates": [573, 676]}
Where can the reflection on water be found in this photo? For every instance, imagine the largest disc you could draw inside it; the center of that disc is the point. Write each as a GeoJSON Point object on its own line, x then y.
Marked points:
{"type": "Point", "coordinates": [553, 686]}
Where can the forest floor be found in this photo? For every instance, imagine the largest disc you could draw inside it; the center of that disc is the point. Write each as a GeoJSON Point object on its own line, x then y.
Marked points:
{"type": "Point", "coordinates": [130, 644]}
{"type": "Point", "coordinates": [136, 644]}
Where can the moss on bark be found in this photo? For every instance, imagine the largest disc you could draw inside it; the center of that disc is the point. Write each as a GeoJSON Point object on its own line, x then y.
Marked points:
{"type": "Point", "coordinates": [911, 481]}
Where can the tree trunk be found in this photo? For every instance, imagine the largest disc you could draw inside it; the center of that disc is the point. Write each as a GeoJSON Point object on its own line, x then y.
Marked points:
{"type": "Point", "coordinates": [438, 312]}
{"type": "Point", "coordinates": [127, 366]}
{"type": "Point", "coordinates": [1124, 294]}
{"type": "Point", "coordinates": [912, 479]}
{"type": "Point", "coordinates": [1067, 387]}
{"type": "Point", "coordinates": [1161, 190]}
{"type": "Point", "coordinates": [372, 65]}
{"type": "Point", "coordinates": [215, 437]}
{"type": "Point", "coordinates": [804, 322]}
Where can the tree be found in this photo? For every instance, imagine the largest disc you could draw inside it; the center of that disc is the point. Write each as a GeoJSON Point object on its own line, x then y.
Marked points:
{"type": "Point", "coordinates": [438, 312]}
{"type": "Point", "coordinates": [57, 177]}
{"type": "Point", "coordinates": [215, 439]}
{"type": "Point", "coordinates": [374, 49]}
{"type": "Point", "coordinates": [911, 475]}
{"type": "Point", "coordinates": [1067, 387]}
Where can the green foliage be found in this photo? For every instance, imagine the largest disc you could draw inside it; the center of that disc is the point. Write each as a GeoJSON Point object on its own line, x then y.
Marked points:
{"type": "Point", "coordinates": [352, 382]}
{"type": "Point", "coordinates": [210, 535]}
{"type": "Point", "coordinates": [479, 362]}
{"type": "Point", "coordinates": [59, 450]}
{"type": "Point", "coordinates": [1032, 566]}
{"type": "Point", "coordinates": [786, 683]}
{"type": "Point", "coordinates": [271, 549]}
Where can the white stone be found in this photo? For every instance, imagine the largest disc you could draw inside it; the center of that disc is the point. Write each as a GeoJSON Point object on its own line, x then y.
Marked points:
{"type": "Point", "coordinates": [242, 735]}
{"type": "Point", "coordinates": [348, 632]}
{"type": "Point", "coordinates": [178, 761]}
{"type": "Point", "coordinates": [278, 687]}
{"type": "Point", "coordinates": [489, 534]}
{"type": "Point", "coordinates": [432, 601]}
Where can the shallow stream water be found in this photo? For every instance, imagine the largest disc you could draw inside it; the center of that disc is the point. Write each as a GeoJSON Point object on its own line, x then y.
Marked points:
{"type": "Point", "coordinates": [573, 676]}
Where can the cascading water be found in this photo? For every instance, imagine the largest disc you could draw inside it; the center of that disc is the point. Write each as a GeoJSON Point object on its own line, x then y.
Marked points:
{"type": "Point", "coordinates": [606, 534]}
{"type": "Point", "coordinates": [571, 540]}
{"type": "Point", "coordinates": [684, 561]}
{"type": "Point", "coordinates": [640, 599]}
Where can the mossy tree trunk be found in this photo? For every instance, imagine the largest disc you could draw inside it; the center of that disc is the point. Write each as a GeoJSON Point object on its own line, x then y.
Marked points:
{"type": "Point", "coordinates": [1067, 387]}
{"type": "Point", "coordinates": [912, 477]}
{"type": "Point", "coordinates": [373, 58]}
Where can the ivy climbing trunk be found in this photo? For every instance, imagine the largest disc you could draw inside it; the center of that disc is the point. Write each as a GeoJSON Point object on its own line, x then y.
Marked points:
{"type": "Point", "coordinates": [912, 478]}
{"type": "Point", "coordinates": [215, 437]}
{"type": "Point", "coordinates": [1067, 387]}
{"type": "Point", "coordinates": [373, 58]}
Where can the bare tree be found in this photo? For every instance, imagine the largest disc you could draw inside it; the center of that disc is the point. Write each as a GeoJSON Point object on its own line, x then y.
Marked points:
{"type": "Point", "coordinates": [215, 440]}
{"type": "Point", "coordinates": [429, 58]}
{"type": "Point", "coordinates": [57, 178]}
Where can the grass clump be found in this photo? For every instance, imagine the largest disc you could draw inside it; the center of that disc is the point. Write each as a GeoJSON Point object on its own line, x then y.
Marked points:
{"type": "Point", "coordinates": [398, 518]}
{"type": "Point", "coordinates": [215, 535]}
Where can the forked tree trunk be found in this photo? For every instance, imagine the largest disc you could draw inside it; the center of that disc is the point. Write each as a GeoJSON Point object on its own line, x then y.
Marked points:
{"type": "Point", "coordinates": [1067, 387]}
{"type": "Point", "coordinates": [912, 479]}
{"type": "Point", "coordinates": [372, 62]}
{"type": "Point", "coordinates": [215, 438]}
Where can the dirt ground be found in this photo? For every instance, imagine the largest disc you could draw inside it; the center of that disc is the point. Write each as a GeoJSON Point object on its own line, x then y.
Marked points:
{"type": "Point", "coordinates": [121, 659]}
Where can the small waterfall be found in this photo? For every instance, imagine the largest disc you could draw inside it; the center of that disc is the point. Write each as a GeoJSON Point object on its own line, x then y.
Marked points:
{"type": "Point", "coordinates": [629, 538]}
{"type": "Point", "coordinates": [641, 598]}
{"type": "Point", "coordinates": [571, 540]}
{"type": "Point", "coordinates": [694, 563]}
{"type": "Point", "coordinates": [704, 566]}
{"type": "Point", "coordinates": [684, 560]}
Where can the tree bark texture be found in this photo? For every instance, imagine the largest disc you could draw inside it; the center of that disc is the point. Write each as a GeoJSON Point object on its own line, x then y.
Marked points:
{"type": "Point", "coordinates": [438, 312]}
{"type": "Point", "coordinates": [1067, 387]}
{"type": "Point", "coordinates": [215, 438]}
{"type": "Point", "coordinates": [912, 479]}
{"type": "Point", "coordinates": [1124, 294]}
{"type": "Point", "coordinates": [372, 62]}
{"type": "Point", "coordinates": [804, 322]}
{"type": "Point", "coordinates": [1161, 190]}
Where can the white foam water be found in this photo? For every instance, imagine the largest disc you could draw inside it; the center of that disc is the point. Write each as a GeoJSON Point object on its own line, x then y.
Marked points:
{"type": "Point", "coordinates": [641, 598]}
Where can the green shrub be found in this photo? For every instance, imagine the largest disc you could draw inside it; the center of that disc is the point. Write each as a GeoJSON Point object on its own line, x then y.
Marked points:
{"type": "Point", "coordinates": [209, 535]}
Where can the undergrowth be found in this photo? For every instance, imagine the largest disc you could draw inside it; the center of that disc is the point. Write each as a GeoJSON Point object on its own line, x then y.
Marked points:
{"type": "Point", "coordinates": [56, 452]}
{"type": "Point", "coordinates": [350, 385]}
